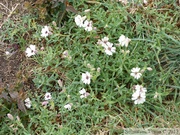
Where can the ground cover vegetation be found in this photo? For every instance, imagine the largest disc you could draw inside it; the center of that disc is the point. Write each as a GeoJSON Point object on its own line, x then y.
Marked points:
{"type": "Point", "coordinates": [90, 67]}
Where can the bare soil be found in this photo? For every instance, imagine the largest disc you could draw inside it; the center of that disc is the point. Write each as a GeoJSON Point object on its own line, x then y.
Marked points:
{"type": "Point", "coordinates": [13, 67]}
{"type": "Point", "coordinates": [9, 67]}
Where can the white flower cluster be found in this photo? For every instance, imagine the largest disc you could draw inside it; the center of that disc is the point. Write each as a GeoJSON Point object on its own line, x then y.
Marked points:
{"type": "Point", "coordinates": [82, 22]}
{"type": "Point", "coordinates": [31, 50]}
{"type": "Point", "coordinates": [123, 41]}
{"type": "Point", "coordinates": [139, 96]}
{"type": "Point", "coordinates": [137, 72]}
{"type": "Point", "coordinates": [47, 97]}
{"type": "Point", "coordinates": [83, 93]}
{"type": "Point", "coordinates": [108, 46]}
{"type": "Point", "coordinates": [68, 106]}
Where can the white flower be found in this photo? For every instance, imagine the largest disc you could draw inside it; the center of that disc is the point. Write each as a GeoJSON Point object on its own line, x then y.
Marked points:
{"type": "Point", "coordinates": [135, 72]}
{"type": "Point", "coordinates": [68, 106]}
{"type": "Point", "coordinates": [86, 78]}
{"type": "Point", "coordinates": [27, 100]}
{"type": "Point", "coordinates": [83, 93]}
{"type": "Point", "coordinates": [42, 48]}
{"type": "Point", "coordinates": [138, 97]}
{"type": "Point", "coordinates": [31, 50]}
{"type": "Point", "coordinates": [88, 25]}
{"type": "Point", "coordinates": [140, 88]}
{"type": "Point", "coordinates": [54, 23]}
{"type": "Point", "coordinates": [45, 31]}
{"type": "Point", "coordinates": [156, 95]}
{"type": "Point", "coordinates": [125, 2]}
{"type": "Point", "coordinates": [125, 52]}
{"type": "Point", "coordinates": [99, 42]}
{"type": "Point", "coordinates": [145, 1]}
{"type": "Point", "coordinates": [89, 65]}
{"type": "Point", "coordinates": [103, 41]}
{"type": "Point", "coordinates": [27, 103]}
{"type": "Point", "coordinates": [7, 52]}
{"type": "Point", "coordinates": [47, 96]}
{"type": "Point", "coordinates": [124, 41]}
{"type": "Point", "coordinates": [79, 20]}
{"type": "Point", "coordinates": [109, 49]}
{"type": "Point", "coordinates": [98, 69]}
{"type": "Point", "coordinates": [65, 54]}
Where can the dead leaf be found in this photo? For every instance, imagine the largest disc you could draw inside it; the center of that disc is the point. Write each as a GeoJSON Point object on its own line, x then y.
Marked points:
{"type": "Point", "coordinates": [93, 2]}
{"type": "Point", "coordinates": [39, 2]}
{"type": "Point", "coordinates": [21, 105]}
{"type": "Point", "coordinates": [27, 5]}
{"type": "Point", "coordinates": [1, 89]}
{"type": "Point", "coordinates": [22, 94]}
{"type": "Point", "coordinates": [5, 96]}
{"type": "Point", "coordinates": [60, 83]}
{"type": "Point", "coordinates": [71, 9]}
{"type": "Point", "coordinates": [14, 95]}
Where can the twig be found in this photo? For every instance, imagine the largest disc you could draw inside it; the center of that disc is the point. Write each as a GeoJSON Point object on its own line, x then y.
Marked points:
{"type": "Point", "coordinates": [11, 12]}
{"type": "Point", "coordinates": [5, 7]}
{"type": "Point", "coordinates": [2, 44]}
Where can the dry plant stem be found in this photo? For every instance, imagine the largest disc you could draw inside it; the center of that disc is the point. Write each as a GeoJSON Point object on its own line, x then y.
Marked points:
{"type": "Point", "coordinates": [11, 12]}
{"type": "Point", "coordinates": [5, 7]}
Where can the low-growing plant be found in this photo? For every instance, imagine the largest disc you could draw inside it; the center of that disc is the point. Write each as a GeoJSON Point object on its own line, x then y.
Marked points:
{"type": "Point", "coordinates": [108, 68]}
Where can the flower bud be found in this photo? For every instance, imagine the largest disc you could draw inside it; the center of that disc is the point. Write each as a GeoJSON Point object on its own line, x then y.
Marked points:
{"type": "Point", "coordinates": [149, 68]}
{"type": "Point", "coordinates": [10, 116]}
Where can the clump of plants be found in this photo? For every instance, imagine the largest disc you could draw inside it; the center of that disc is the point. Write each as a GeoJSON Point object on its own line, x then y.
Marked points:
{"type": "Point", "coordinates": [101, 73]}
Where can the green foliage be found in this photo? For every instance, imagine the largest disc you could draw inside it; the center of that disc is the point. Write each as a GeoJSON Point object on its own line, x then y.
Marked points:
{"type": "Point", "coordinates": [109, 107]}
